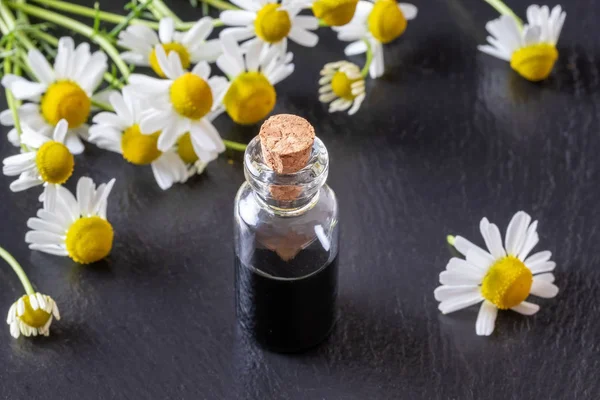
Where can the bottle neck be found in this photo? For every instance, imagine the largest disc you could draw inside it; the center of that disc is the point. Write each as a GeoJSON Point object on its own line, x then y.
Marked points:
{"type": "Point", "coordinates": [286, 194]}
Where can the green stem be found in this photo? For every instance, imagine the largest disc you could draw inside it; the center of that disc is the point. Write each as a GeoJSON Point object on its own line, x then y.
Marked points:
{"type": "Point", "coordinates": [234, 145]}
{"type": "Point", "coordinates": [133, 14]}
{"type": "Point", "coordinates": [505, 10]}
{"type": "Point", "coordinates": [78, 27]}
{"type": "Point", "coordinates": [165, 11]}
{"type": "Point", "coordinates": [365, 71]}
{"type": "Point", "coordinates": [102, 106]}
{"type": "Point", "coordinates": [92, 13]}
{"type": "Point", "coordinates": [18, 270]}
{"type": "Point", "coordinates": [13, 104]}
{"type": "Point", "coordinates": [221, 4]}
{"type": "Point", "coordinates": [11, 24]}
{"type": "Point", "coordinates": [451, 239]}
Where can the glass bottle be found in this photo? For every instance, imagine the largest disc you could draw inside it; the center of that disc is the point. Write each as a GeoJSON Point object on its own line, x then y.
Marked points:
{"type": "Point", "coordinates": [286, 246]}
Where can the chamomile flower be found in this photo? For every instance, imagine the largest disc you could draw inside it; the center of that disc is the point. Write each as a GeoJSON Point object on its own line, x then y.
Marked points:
{"type": "Point", "coordinates": [48, 162]}
{"type": "Point", "coordinates": [531, 49]}
{"type": "Point", "coordinates": [192, 46]}
{"type": "Point", "coordinates": [343, 86]}
{"type": "Point", "coordinates": [502, 277]}
{"type": "Point", "coordinates": [250, 95]}
{"type": "Point", "coordinates": [120, 132]}
{"type": "Point", "coordinates": [271, 22]}
{"type": "Point", "coordinates": [378, 23]}
{"type": "Point", "coordinates": [76, 227]}
{"type": "Point", "coordinates": [32, 315]}
{"type": "Point", "coordinates": [182, 103]}
{"type": "Point", "coordinates": [334, 12]}
{"type": "Point", "coordinates": [63, 92]}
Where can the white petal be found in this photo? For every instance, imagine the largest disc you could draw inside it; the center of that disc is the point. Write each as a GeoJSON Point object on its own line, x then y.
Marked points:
{"type": "Point", "coordinates": [50, 249]}
{"type": "Point", "coordinates": [60, 131]}
{"type": "Point", "coordinates": [303, 37]}
{"type": "Point", "coordinates": [480, 260]}
{"type": "Point", "coordinates": [442, 293]}
{"type": "Point", "coordinates": [486, 319]}
{"type": "Point", "coordinates": [492, 237]}
{"type": "Point", "coordinates": [377, 67]}
{"type": "Point", "coordinates": [38, 237]}
{"type": "Point", "coordinates": [516, 231]}
{"type": "Point", "coordinates": [24, 183]}
{"type": "Point", "coordinates": [463, 267]}
{"type": "Point", "coordinates": [168, 137]}
{"type": "Point", "coordinates": [495, 52]}
{"type": "Point", "coordinates": [41, 225]}
{"type": "Point", "coordinates": [456, 278]}
{"type": "Point", "coordinates": [85, 193]}
{"type": "Point", "coordinates": [166, 29]}
{"type": "Point", "coordinates": [208, 51]}
{"type": "Point", "coordinates": [202, 69]}
{"type": "Point", "coordinates": [24, 90]}
{"type": "Point", "coordinates": [306, 22]}
{"type": "Point", "coordinates": [40, 67]}
{"type": "Point", "coordinates": [531, 240]}
{"type": "Point", "coordinates": [543, 288]}
{"type": "Point", "coordinates": [199, 31]}
{"type": "Point", "coordinates": [547, 277]}
{"type": "Point", "coordinates": [74, 144]}
{"type": "Point", "coordinates": [526, 308]}
{"type": "Point", "coordinates": [460, 302]}
{"type": "Point", "coordinates": [358, 47]}
{"type": "Point", "coordinates": [537, 258]}
{"type": "Point", "coordinates": [409, 10]}
{"type": "Point", "coordinates": [545, 266]}
{"type": "Point", "coordinates": [62, 62]}
{"type": "Point", "coordinates": [237, 17]}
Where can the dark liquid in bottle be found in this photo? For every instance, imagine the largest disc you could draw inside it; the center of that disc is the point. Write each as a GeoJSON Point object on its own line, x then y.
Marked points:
{"type": "Point", "coordinates": [289, 312]}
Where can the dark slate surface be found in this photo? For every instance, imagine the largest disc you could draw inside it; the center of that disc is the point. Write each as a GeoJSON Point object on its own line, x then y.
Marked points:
{"type": "Point", "coordinates": [448, 136]}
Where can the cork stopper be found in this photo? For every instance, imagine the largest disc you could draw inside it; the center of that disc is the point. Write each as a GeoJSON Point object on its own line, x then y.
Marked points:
{"type": "Point", "coordinates": [286, 141]}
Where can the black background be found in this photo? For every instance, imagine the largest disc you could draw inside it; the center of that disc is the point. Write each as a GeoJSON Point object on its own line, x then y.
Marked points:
{"type": "Point", "coordinates": [448, 136]}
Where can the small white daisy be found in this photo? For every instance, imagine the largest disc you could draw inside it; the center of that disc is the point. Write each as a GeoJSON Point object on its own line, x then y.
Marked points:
{"type": "Point", "coordinates": [48, 162]}
{"type": "Point", "coordinates": [502, 277]}
{"type": "Point", "coordinates": [250, 95]}
{"type": "Point", "coordinates": [271, 22]}
{"type": "Point", "coordinates": [192, 46]}
{"type": "Point", "coordinates": [76, 227]}
{"type": "Point", "coordinates": [32, 315]}
{"type": "Point", "coordinates": [531, 50]}
{"type": "Point", "coordinates": [62, 92]}
{"type": "Point", "coordinates": [182, 103]}
{"type": "Point", "coordinates": [120, 132]}
{"type": "Point", "coordinates": [342, 85]}
{"type": "Point", "coordinates": [378, 23]}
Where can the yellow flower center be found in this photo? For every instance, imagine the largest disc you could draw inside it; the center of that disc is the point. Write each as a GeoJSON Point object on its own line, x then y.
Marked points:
{"type": "Point", "coordinates": [54, 162]}
{"type": "Point", "coordinates": [386, 21]}
{"type": "Point", "coordinates": [180, 49]}
{"type": "Point", "coordinates": [34, 318]}
{"type": "Point", "coordinates": [186, 150]}
{"type": "Point", "coordinates": [534, 62]}
{"type": "Point", "coordinates": [65, 100]}
{"type": "Point", "coordinates": [342, 86]}
{"type": "Point", "coordinates": [507, 283]}
{"type": "Point", "coordinates": [272, 24]}
{"type": "Point", "coordinates": [191, 96]}
{"type": "Point", "coordinates": [89, 239]}
{"type": "Point", "coordinates": [138, 148]}
{"type": "Point", "coordinates": [335, 12]}
{"type": "Point", "coordinates": [249, 98]}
